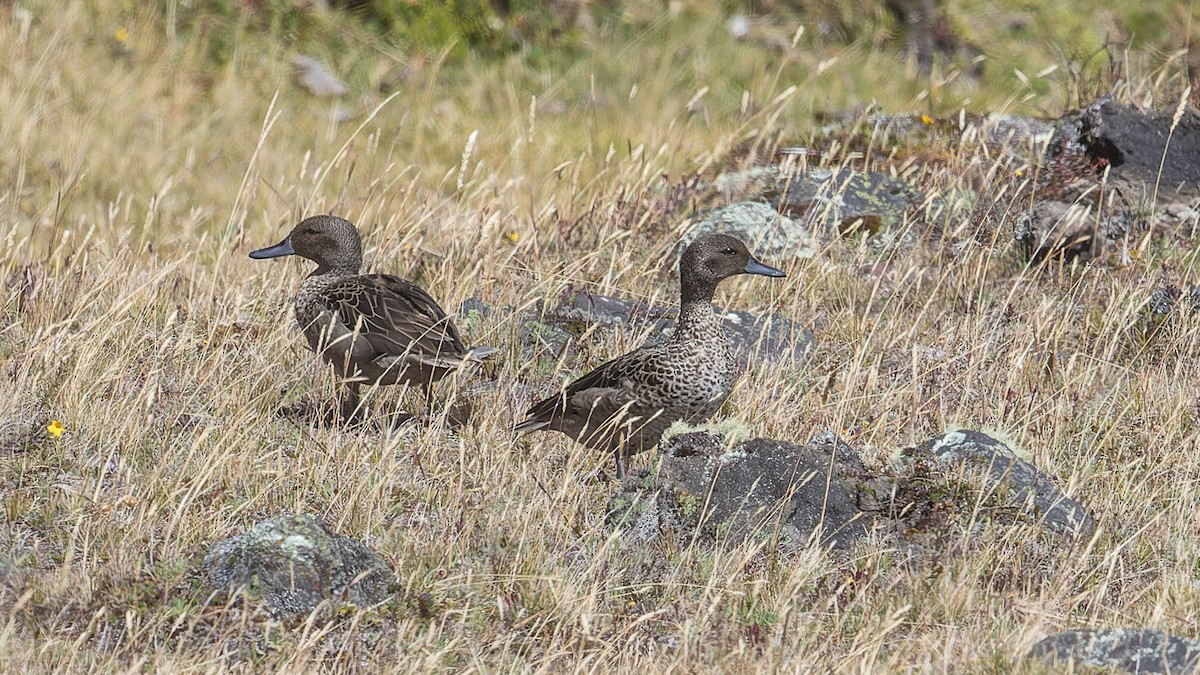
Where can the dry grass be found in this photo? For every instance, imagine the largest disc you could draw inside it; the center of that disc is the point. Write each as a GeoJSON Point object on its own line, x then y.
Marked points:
{"type": "Point", "coordinates": [137, 179]}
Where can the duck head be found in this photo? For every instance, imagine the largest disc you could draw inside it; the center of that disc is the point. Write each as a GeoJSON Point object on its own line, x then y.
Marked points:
{"type": "Point", "coordinates": [711, 259]}
{"type": "Point", "coordinates": [331, 242]}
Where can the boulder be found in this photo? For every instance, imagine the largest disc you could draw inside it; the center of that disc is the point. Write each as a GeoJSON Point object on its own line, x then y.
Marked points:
{"type": "Point", "coordinates": [1008, 478]}
{"type": "Point", "coordinates": [293, 562]}
{"type": "Point", "coordinates": [755, 489]}
{"type": "Point", "coordinates": [768, 234]}
{"type": "Point", "coordinates": [1121, 650]}
{"type": "Point", "coordinates": [1141, 146]}
{"type": "Point", "coordinates": [848, 201]}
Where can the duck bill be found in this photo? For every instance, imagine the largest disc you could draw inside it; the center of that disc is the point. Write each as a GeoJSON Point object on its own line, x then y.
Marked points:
{"type": "Point", "coordinates": [277, 251]}
{"type": "Point", "coordinates": [756, 267]}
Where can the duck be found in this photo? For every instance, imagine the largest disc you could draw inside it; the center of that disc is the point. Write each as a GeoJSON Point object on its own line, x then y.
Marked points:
{"type": "Point", "coordinates": [624, 405]}
{"type": "Point", "coordinates": [374, 329]}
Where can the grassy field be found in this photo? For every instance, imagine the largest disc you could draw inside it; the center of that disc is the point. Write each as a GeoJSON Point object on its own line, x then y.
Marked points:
{"type": "Point", "coordinates": [138, 171]}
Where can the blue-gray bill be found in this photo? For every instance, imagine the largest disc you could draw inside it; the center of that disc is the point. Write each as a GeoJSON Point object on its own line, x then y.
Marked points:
{"type": "Point", "coordinates": [277, 251]}
{"type": "Point", "coordinates": [753, 267]}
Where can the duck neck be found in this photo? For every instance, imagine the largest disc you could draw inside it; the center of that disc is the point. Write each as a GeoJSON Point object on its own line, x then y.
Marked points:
{"type": "Point", "coordinates": [694, 316]}
{"type": "Point", "coordinates": [696, 312]}
{"type": "Point", "coordinates": [336, 269]}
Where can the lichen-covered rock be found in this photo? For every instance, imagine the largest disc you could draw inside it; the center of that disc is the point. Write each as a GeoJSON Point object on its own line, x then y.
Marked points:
{"type": "Point", "coordinates": [293, 562]}
{"type": "Point", "coordinates": [767, 233]}
{"type": "Point", "coordinates": [759, 488]}
{"type": "Point", "coordinates": [539, 339]}
{"type": "Point", "coordinates": [1121, 649]}
{"type": "Point", "coordinates": [849, 201]}
{"type": "Point", "coordinates": [1009, 478]}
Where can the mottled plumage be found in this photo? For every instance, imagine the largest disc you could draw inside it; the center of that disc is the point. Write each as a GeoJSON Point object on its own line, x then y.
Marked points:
{"type": "Point", "coordinates": [372, 328]}
{"type": "Point", "coordinates": [625, 405]}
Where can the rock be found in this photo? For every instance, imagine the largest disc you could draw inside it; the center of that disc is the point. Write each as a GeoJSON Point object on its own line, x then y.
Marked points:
{"type": "Point", "coordinates": [1132, 143]}
{"type": "Point", "coordinates": [752, 183]}
{"type": "Point", "coordinates": [1052, 230]}
{"type": "Point", "coordinates": [294, 562]}
{"type": "Point", "coordinates": [592, 308]}
{"type": "Point", "coordinates": [543, 338]}
{"type": "Point", "coordinates": [538, 338]}
{"type": "Point", "coordinates": [1013, 129]}
{"type": "Point", "coordinates": [1182, 212]}
{"type": "Point", "coordinates": [769, 338]}
{"type": "Point", "coordinates": [756, 488]}
{"type": "Point", "coordinates": [314, 76]}
{"type": "Point", "coordinates": [848, 200]}
{"type": "Point", "coordinates": [1121, 649]}
{"type": "Point", "coordinates": [1010, 478]}
{"type": "Point", "coordinates": [916, 131]}
{"type": "Point", "coordinates": [767, 233]}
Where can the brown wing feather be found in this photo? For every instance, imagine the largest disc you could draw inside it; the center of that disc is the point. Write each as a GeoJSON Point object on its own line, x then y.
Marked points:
{"type": "Point", "coordinates": [396, 316]}
{"type": "Point", "coordinates": [612, 374]}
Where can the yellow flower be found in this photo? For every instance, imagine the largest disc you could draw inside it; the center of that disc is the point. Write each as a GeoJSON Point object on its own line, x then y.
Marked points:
{"type": "Point", "coordinates": [121, 35]}
{"type": "Point", "coordinates": [513, 237]}
{"type": "Point", "coordinates": [55, 428]}
{"type": "Point", "coordinates": [926, 119]}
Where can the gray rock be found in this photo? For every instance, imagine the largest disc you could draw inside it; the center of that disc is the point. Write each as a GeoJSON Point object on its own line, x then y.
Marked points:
{"type": "Point", "coordinates": [849, 200]}
{"type": "Point", "coordinates": [592, 308]}
{"type": "Point", "coordinates": [294, 562]}
{"type": "Point", "coordinates": [1133, 143]}
{"type": "Point", "coordinates": [751, 183]}
{"type": "Point", "coordinates": [917, 130]}
{"type": "Point", "coordinates": [1020, 483]}
{"type": "Point", "coordinates": [541, 338]}
{"type": "Point", "coordinates": [768, 234]}
{"type": "Point", "coordinates": [1053, 229]}
{"type": "Point", "coordinates": [314, 76]}
{"type": "Point", "coordinates": [757, 488]}
{"type": "Point", "coordinates": [771, 338]}
{"type": "Point", "coordinates": [1121, 649]}
{"type": "Point", "coordinates": [1012, 129]}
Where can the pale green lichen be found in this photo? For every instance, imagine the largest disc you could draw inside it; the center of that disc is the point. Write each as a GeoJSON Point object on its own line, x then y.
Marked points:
{"type": "Point", "coordinates": [732, 430]}
{"type": "Point", "coordinates": [296, 545]}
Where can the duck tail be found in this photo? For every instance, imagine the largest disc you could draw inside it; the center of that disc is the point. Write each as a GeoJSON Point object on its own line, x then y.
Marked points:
{"type": "Point", "coordinates": [531, 424]}
{"type": "Point", "coordinates": [477, 354]}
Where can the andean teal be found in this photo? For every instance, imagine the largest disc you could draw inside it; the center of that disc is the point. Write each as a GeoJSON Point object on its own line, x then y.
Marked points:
{"type": "Point", "coordinates": [626, 404]}
{"type": "Point", "coordinates": [372, 328]}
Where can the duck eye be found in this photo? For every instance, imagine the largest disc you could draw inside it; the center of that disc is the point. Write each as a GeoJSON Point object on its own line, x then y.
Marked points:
{"type": "Point", "coordinates": [729, 251]}
{"type": "Point", "coordinates": [310, 230]}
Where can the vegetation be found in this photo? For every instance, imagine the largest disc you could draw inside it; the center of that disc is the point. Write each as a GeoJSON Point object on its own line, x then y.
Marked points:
{"type": "Point", "coordinates": [149, 146]}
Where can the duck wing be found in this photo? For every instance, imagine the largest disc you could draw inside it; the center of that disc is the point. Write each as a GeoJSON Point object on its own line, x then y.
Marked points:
{"type": "Point", "coordinates": [608, 386]}
{"type": "Point", "coordinates": [395, 316]}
